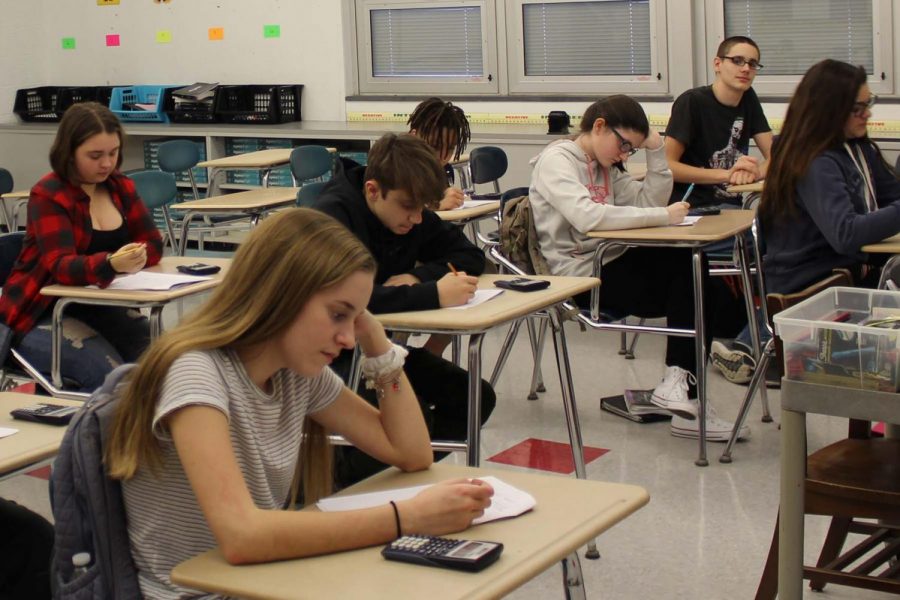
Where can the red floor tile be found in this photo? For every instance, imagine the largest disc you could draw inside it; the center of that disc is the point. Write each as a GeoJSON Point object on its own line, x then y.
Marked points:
{"type": "Point", "coordinates": [42, 473]}
{"type": "Point", "coordinates": [545, 455]}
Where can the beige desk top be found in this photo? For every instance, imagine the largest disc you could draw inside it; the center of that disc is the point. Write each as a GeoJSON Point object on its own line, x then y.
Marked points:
{"type": "Point", "coordinates": [506, 307]}
{"type": "Point", "coordinates": [16, 195]}
{"type": "Point", "coordinates": [756, 186]}
{"type": "Point", "coordinates": [889, 245]}
{"type": "Point", "coordinates": [261, 159]}
{"type": "Point", "coordinates": [261, 198]}
{"type": "Point", "coordinates": [569, 512]}
{"type": "Point", "coordinates": [166, 265]}
{"type": "Point", "coordinates": [35, 441]}
{"type": "Point", "coordinates": [464, 214]}
{"type": "Point", "coordinates": [708, 229]}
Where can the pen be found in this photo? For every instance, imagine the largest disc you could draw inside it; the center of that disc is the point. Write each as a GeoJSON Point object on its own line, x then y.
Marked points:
{"type": "Point", "coordinates": [687, 194]}
{"type": "Point", "coordinates": [453, 269]}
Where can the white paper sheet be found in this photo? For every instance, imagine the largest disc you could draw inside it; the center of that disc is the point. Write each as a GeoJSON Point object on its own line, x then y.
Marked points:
{"type": "Point", "coordinates": [480, 297]}
{"type": "Point", "coordinates": [469, 203]}
{"type": "Point", "coordinates": [507, 501]}
{"type": "Point", "coordinates": [688, 220]}
{"type": "Point", "coordinates": [148, 280]}
{"type": "Point", "coordinates": [7, 431]}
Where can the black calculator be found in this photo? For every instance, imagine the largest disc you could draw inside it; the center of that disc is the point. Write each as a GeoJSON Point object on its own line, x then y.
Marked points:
{"type": "Point", "coordinates": [52, 414]}
{"type": "Point", "coordinates": [704, 211]}
{"type": "Point", "coordinates": [464, 555]}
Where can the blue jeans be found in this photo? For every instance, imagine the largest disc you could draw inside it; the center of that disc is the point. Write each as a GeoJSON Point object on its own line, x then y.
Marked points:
{"type": "Point", "coordinates": [96, 339]}
{"type": "Point", "coordinates": [743, 338]}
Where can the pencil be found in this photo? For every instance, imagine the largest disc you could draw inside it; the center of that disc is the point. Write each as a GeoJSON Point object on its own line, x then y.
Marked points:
{"type": "Point", "coordinates": [453, 269]}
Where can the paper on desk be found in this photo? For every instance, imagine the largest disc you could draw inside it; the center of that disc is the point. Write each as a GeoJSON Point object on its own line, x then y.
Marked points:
{"type": "Point", "coordinates": [480, 297]}
{"type": "Point", "coordinates": [7, 431]}
{"type": "Point", "coordinates": [147, 280]}
{"type": "Point", "coordinates": [507, 501]}
{"type": "Point", "coordinates": [469, 203]}
{"type": "Point", "coordinates": [688, 220]}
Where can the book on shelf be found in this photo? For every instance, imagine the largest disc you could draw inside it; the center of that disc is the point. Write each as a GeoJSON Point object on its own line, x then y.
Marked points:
{"type": "Point", "coordinates": [635, 405]}
{"type": "Point", "coordinates": [196, 91]}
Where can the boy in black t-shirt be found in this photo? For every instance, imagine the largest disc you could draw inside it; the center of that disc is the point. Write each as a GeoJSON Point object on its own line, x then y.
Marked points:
{"type": "Point", "coordinates": [709, 131]}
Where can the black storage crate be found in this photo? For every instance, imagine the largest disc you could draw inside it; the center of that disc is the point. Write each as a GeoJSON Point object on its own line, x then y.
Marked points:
{"type": "Point", "coordinates": [48, 103]}
{"type": "Point", "coordinates": [258, 103]}
{"type": "Point", "coordinates": [190, 112]}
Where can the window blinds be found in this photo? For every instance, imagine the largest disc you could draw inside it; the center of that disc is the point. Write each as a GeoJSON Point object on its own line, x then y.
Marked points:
{"type": "Point", "coordinates": [795, 34]}
{"type": "Point", "coordinates": [432, 42]}
{"type": "Point", "coordinates": [607, 37]}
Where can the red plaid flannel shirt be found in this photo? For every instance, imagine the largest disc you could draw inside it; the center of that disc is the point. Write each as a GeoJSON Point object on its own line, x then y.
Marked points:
{"type": "Point", "coordinates": [56, 238]}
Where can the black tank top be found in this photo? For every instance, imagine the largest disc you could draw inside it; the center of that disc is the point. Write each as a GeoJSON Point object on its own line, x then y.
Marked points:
{"type": "Point", "coordinates": [108, 240]}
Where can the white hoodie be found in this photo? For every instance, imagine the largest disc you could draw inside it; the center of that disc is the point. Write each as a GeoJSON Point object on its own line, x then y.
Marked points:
{"type": "Point", "coordinates": [564, 211]}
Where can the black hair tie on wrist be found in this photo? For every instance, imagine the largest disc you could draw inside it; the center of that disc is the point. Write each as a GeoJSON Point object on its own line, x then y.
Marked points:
{"type": "Point", "coordinates": [396, 518]}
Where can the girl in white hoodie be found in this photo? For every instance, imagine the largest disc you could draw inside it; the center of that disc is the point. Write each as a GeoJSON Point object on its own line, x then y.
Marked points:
{"type": "Point", "coordinates": [580, 185]}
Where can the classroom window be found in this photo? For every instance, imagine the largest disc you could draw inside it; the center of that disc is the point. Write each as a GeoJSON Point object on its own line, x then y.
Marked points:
{"type": "Point", "coordinates": [795, 34]}
{"type": "Point", "coordinates": [426, 47]}
{"type": "Point", "coordinates": [587, 46]}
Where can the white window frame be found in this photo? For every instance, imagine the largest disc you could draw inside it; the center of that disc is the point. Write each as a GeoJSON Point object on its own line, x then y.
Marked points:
{"type": "Point", "coordinates": [369, 84]}
{"type": "Point", "coordinates": [519, 83]}
{"type": "Point", "coordinates": [881, 80]}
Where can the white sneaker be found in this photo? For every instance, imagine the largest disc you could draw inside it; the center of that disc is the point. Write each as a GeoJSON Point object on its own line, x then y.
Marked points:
{"type": "Point", "coordinates": [672, 393]}
{"type": "Point", "coordinates": [717, 430]}
{"type": "Point", "coordinates": [735, 365]}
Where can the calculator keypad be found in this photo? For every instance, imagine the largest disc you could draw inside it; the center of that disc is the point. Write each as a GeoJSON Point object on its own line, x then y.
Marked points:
{"type": "Point", "coordinates": [426, 546]}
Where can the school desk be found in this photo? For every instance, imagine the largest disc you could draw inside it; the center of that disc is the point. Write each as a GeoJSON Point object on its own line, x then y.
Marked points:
{"type": "Point", "coordinates": [569, 512]}
{"type": "Point", "coordinates": [797, 399]}
{"type": "Point", "coordinates": [155, 300]}
{"type": "Point", "coordinates": [252, 203]}
{"type": "Point", "coordinates": [748, 188]}
{"type": "Point", "coordinates": [706, 231]}
{"type": "Point", "coordinates": [477, 320]}
{"type": "Point", "coordinates": [468, 215]}
{"type": "Point", "coordinates": [889, 245]}
{"type": "Point", "coordinates": [11, 214]}
{"type": "Point", "coordinates": [34, 442]}
{"type": "Point", "coordinates": [261, 160]}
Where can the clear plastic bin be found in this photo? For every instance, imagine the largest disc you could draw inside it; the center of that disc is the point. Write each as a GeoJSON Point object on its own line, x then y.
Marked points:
{"type": "Point", "coordinates": [847, 337]}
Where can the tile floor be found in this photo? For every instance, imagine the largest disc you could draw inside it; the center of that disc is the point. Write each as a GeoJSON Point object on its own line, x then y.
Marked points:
{"type": "Point", "coordinates": [705, 532]}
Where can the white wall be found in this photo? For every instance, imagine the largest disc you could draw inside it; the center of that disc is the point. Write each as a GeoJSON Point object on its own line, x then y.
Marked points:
{"type": "Point", "coordinates": [309, 50]}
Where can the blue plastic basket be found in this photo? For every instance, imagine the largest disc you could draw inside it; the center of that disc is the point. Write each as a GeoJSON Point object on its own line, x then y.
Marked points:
{"type": "Point", "coordinates": [123, 99]}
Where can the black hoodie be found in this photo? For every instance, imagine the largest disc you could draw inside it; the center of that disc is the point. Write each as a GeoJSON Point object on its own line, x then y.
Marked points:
{"type": "Point", "coordinates": [423, 252]}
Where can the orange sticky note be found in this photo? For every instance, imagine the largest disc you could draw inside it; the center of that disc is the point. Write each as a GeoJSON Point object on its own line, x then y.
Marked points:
{"type": "Point", "coordinates": [216, 33]}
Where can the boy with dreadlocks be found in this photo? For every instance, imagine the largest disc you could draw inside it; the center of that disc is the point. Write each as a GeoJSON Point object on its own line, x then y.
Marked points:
{"type": "Point", "coordinates": [445, 128]}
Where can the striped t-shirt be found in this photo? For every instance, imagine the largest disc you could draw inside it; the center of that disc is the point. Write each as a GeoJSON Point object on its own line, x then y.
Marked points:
{"type": "Point", "coordinates": [165, 523]}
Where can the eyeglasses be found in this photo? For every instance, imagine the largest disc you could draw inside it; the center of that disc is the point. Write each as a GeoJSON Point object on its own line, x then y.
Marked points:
{"type": "Point", "coordinates": [740, 61]}
{"type": "Point", "coordinates": [624, 145]}
{"type": "Point", "coordinates": [860, 108]}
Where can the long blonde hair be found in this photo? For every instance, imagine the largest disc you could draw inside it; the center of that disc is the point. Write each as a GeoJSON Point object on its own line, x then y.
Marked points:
{"type": "Point", "coordinates": [285, 261]}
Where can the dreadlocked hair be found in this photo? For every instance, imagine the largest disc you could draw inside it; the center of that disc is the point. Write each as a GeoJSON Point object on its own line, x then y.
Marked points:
{"type": "Point", "coordinates": [442, 125]}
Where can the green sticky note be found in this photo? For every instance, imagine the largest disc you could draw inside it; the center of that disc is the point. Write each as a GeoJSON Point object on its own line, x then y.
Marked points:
{"type": "Point", "coordinates": [68, 43]}
{"type": "Point", "coordinates": [163, 36]}
{"type": "Point", "coordinates": [271, 31]}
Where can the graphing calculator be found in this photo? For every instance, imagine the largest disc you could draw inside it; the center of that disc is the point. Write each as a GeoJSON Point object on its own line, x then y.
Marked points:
{"type": "Point", "coordinates": [199, 269]}
{"type": "Point", "coordinates": [704, 211]}
{"type": "Point", "coordinates": [53, 414]}
{"type": "Point", "coordinates": [463, 555]}
{"type": "Point", "coordinates": [522, 284]}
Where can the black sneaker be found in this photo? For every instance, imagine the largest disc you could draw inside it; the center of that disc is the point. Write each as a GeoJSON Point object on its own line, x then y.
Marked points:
{"type": "Point", "coordinates": [735, 365]}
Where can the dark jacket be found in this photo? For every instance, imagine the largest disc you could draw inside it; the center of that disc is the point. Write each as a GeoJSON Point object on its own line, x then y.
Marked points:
{"type": "Point", "coordinates": [831, 222]}
{"type": "Point", "coordinates": [423, 252]}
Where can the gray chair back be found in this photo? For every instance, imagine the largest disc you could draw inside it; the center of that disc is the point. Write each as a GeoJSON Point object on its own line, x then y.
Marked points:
{"type": "Point", "coordinates": [178, 156]}
{"type": "Point", "coordinates": [6, 181]}
{"type": "Point", "coordinates": [307, 195]}
{"type": "Point", "coordinates": [310, 162]}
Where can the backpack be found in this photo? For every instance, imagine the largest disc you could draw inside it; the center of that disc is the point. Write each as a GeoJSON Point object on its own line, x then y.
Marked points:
{"type": "Point", "coordinates": [88, 507]}
{"type": "Point", "coordinates": [519, 239]}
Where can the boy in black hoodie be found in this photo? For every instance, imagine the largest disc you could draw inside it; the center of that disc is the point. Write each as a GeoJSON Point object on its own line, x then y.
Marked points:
{"type": "Point", "coordinates": [386, 205]}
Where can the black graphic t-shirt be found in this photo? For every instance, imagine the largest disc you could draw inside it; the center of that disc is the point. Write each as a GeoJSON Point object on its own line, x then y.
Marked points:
{"type": "Point", "coordinates": [714, 137]}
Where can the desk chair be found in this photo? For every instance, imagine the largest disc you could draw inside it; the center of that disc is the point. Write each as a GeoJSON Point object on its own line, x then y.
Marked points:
{"type": "Point", "coordinates": [487, 165]}
{"type": "Point", "coordinates": [310, 163]}
{"type": "Point", "coordinates": [15, 369]}
{"type": "Point", "coordinates": [178, 156]}
{"type": "Point", "coordinates": [6, 186]}
{"type": "Point", "coordinates": [158, 189]}
{"type": "Point", "coordinates": [853, 479]}
{"type": "Point", "coordinates": [307, 195]}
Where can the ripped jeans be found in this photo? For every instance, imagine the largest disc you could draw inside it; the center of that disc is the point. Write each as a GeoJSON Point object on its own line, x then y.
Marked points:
{"type": "Point", "coordinates": [96, 339]}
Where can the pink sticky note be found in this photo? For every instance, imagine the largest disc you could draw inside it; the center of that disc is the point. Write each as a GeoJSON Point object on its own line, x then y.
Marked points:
{"type": "Point", "coordinates": [112, 39]}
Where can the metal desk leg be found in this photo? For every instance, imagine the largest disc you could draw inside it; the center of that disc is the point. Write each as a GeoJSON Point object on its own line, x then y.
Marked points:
{"type": "Point", "coordinates": [568, 395]}
{"type": "Point", "coordinates": [213, 187]}
{"type": "Point", "coordinates": [700, 351]}
{"type": "Point", "coordinates": [573, 579]}
{"type": "Point", "coordinates": [752, 320]}
{"type": "Point", "coordinates": [790, 523]}
{"type": "Point", "coordinates": [473, 439]}
{"type": "Point", "coordinates": [56, 337]}
{"type": "Point", "coordinates": [265, 177]}
{"type": "Point", "coordinates": [185, 226]}
{"type": "Point", "coordinates": [455, 349]}
{"type": "Point", "coordinates": [155, 322]}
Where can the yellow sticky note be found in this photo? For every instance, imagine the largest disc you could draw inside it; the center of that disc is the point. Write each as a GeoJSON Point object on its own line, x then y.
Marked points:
{"type": "Point", "coordinates": [163, 36]}
{"type": "Point", "coordinates": [107, 2]}
{"type": "Point", "coordinates": [216, 33]}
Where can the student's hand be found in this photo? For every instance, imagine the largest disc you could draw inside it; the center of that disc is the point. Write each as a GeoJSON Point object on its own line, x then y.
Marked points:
{"type": "Point", "coordinates": [130, 258]}
{"type": "Point", "coordinates": [446, 507]}
{"type": "Point", "coordinates": [742, 177]}
{"type": "Point", "coordinates": [402, 279]}
{"type": "Point", "coordinates": [456, 290]}
{"type": "Point", "coordinates": [744, 170]}
{"type": "Point", "coordinates": [373, 341]}
{"type": "Point", "coordinates": [654, 141]}
{"type": "Point", "coordinates": [453, 198]}
{"type": "Point", "coordinates": [677, 212]}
